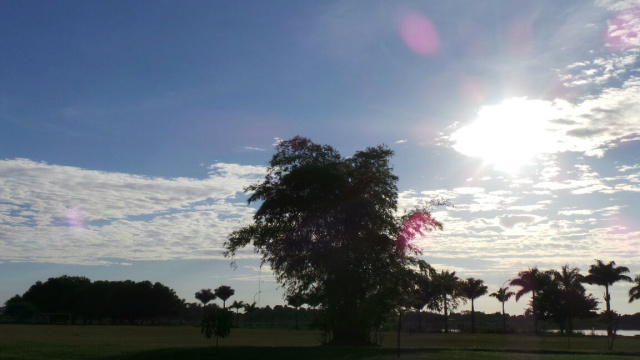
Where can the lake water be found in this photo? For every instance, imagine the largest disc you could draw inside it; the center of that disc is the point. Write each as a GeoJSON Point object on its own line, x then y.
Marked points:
{"type": "Point", "coordinates": [604, 332]}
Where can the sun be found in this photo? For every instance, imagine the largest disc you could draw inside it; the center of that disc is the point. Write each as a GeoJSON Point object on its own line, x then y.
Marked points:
{"type": "Point", "coordinates": [509, 135]}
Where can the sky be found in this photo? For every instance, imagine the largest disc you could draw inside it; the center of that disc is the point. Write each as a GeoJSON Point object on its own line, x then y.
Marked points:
{"type": "Point", "coordinates": [128, 131]}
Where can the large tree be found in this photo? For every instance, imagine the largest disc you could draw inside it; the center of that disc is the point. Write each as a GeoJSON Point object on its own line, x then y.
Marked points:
{"type": "Point", "coordinates": [472, 289]}
{"type": "Point", "coordinates": [327, 225]}
{"type": "Point", "coordinates": [503, 295]}
{"type": "Point", "coordinates": [606, 275]}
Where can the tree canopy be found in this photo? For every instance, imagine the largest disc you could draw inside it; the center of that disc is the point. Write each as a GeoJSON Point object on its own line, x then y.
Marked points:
{"type": "Point", "coordinates": [327, 225]}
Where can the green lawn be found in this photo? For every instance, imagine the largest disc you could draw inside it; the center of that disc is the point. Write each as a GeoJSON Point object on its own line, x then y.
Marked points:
{"type": "Point", "coordinates": [157, 343]}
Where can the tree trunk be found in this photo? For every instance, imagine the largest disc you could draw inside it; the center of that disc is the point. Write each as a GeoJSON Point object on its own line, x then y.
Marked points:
{"type": "Point", "coordinates": [504, 320]}
{"type": "Point", "coordinates": [535, 312]}
{"type": "Point", "coordinates": [399, 328]}
{"type": "Point", "coordinates": [473, 318]}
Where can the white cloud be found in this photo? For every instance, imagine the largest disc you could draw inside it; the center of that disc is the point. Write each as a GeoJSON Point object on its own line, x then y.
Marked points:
{"type": "Point", "coordinates": [53, 213]}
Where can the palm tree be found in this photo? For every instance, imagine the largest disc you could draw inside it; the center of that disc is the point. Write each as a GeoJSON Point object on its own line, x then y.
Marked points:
{"type": "Point", "coordinates": [634, 292]}
{"type": "Point", "coordinates": [606, 275]}
{"type": "Point", "coordinates": [250, 308]}
{"type": "Point", "coordinates": [224, 292]}
{"type": "Point", "coordinates": [237, 305]}
{"type": "Point", "coordinates": [205, 295]}
{"type": "Point", "coordinates": [472, 289]}
{"type": "Point", "coordinates": [448, 284]}
{"type": "Point", "coordinates": [503, 295]}
{"type": "Point", "coordinates": [529, 282]}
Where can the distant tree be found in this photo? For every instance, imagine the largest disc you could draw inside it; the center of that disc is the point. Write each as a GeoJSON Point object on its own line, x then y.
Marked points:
{"type": "Point", "coordinates": [606, 275]}
{"type": "Point", "coordinates": [217, 323]}
{"type": "Point", "coordinates": [447, 283]}
{"type": "Point", "coordinates": [327, 225]}
{"type": "Point", "coordinates": [63, 294]}
{"type": "Point", "coordinates": [426, 291]}
{"type": "Point", "coordinates": [18, 309]}
{"type": "Point", "coordinates": [634, 292]}
{"type": "Point", "coordinates": [296, 300]}
{"type": "Point", "coordinates": [237, 305]}
{"type": "Point", "coordinates": [250, 309]}
{"type": "Point", "coordinates": [224, 292]}
{"type": "Point", "coordinates": [472, 289]}
{"type": "Point", "coordinates": [529, 282]}
{"type": "Point", "coordinates": [503, 295]}
{"type": "Point", "coordinates": [205, 296]}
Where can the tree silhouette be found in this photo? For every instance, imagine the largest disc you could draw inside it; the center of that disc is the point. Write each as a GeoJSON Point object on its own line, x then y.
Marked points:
{"type": "Point", "coordinates": [205, 296]}
{"type": "Point", "coordinates": [606, 275]}
{"type": "Point", "coordinates": [634, 292]}
{"type": "Point", "coordinates": [503, 295]}
{"type": "Point", "coordinates": [472, 289]}
{"type": "Point", "coordinates": [572, 300]}
{"type": "Point", "coordinates": [327, 226]}
{"type": "Point", "coordinates": [237, 305]}
{"type": "Point", "coordinates": [529, 282]}
{"type": "Point", "coordinates": [296, 301]}
{"type": "Point", "coordinates": [217, 323]}
{"type": "Point", "coordinates": [250, 309]}
{"type": "Point", "coordinates": [448, 284]}
{"type": "Point", "coordinates": [224, 292]}
{"type": "Point", "coordinates": [426, 291]}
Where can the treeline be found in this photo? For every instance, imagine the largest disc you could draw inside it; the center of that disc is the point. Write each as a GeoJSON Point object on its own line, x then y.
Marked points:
{"type": "Point", "coordinates": [74, 299]}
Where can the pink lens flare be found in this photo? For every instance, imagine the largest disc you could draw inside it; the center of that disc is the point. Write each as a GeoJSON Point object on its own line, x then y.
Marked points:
{"type": "Point", "coordinates": [418, 224]}
{"type": "Point", "coordinates": [76, 218]}
{"type": "Point", "coordinates": [472, 90]}
{"type": "Point", "coordinates": [419, 34]}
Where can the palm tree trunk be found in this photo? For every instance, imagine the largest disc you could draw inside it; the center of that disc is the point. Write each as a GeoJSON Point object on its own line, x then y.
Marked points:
{"type": "Point", "coordinates": [504, 320]}
{"type": "Point", "coordinates": [607, 299]}
{"type": "Point", "coordinates": [473, 318]}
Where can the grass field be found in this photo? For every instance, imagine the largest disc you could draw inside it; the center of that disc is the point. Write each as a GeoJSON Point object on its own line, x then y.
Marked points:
{"type": "Point", "coordinates": [158, 343]}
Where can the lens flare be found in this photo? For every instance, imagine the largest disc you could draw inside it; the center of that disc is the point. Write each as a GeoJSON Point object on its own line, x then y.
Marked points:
{"type": "Point", "coordinates": [624, 30]}
{"type": "Point", "coordinates": [419, 34]}
{"type": "Point", "coordinates": [76, 218]}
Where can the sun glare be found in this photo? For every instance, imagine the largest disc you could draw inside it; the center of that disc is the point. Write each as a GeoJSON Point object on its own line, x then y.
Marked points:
{"type": "Point", "coordinates": [508, 135]}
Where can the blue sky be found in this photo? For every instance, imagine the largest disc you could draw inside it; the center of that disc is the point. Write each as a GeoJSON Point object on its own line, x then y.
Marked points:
{"type": "Point", "coordinates": [129, 129]}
